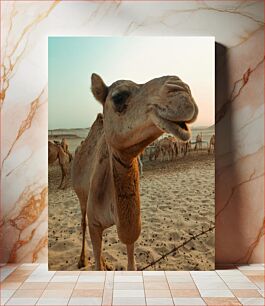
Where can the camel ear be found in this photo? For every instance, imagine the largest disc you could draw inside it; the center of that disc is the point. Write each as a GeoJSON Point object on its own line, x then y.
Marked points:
{"type": "Point", "coordinates": [99, 88]}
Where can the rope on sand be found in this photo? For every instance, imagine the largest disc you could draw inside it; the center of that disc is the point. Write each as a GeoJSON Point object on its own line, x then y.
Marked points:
{"type": "Point", "coordinates": [178, 247]}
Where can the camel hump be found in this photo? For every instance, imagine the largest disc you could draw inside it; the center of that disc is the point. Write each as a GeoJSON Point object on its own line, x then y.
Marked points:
{"type": "Point", "coordinates": [99, 119]}
{"type": "Point", "coordinates": [98, 123]}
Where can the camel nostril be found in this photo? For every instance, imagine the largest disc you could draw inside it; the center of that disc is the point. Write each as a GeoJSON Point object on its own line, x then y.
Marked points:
{"type": "Point", "coordinates": [176, 87]}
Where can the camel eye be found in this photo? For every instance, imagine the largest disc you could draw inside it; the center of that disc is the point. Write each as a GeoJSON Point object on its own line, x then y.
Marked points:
{"type": "Point", "coordinates": [119, 99]}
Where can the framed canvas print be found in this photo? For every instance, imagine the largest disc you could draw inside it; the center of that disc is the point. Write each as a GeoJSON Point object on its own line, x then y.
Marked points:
{"type": "Point", "coordinates": [131, 153]}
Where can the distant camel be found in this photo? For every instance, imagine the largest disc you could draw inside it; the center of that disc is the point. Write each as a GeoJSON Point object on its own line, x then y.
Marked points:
{"type": "Point", "coordinates": [184, 147]}
{"type": "Point", "coordinates": [56, 151]}
{"type": "Point", "coordinates": [166, 148]}
{"type": "Point", "coordinates": [65, 147]}
{"type": "Point", "coordinates": [153, 150]}
{"type": "Point", "coordinates": [105, 171]}
{"type": "Point", "coordinates": [212, 144]}
{"type": "Point", "coordinates": [198, 144]}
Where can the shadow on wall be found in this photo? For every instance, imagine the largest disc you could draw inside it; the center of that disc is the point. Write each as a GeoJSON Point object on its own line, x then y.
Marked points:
{"type": "Point", "coordinates": [224, 153]}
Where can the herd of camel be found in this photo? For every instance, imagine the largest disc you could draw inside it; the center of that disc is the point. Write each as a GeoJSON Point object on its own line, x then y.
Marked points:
{"type": "Point", "coordinates": [105, 169]}
{"type": "Point", "coordinates": [167, 148]}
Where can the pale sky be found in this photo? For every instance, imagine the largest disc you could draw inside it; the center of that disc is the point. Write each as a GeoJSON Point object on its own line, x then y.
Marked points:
{"type": "Point", "coordinates": [72, 60]}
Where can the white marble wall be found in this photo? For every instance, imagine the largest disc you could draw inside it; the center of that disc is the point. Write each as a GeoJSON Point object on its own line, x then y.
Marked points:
{"type": "Point", "coordinates": [238, 25]}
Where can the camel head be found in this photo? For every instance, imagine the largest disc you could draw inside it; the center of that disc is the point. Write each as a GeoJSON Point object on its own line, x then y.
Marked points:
{"type": "Point", "coordinates": [137, 114]}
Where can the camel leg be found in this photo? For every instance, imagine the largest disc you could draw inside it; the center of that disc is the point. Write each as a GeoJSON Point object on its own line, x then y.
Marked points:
{"type": "Point", "coordinates": [63, 176]}
{"type": "Point", "coordinates": [130, 256]}
{"type": "Point", "coordinates": [96, 239]}
{"type": "Point", "coordinates": [83, 260]}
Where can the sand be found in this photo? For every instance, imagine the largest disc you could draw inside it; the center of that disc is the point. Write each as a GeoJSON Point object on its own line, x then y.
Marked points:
{"type": "Point", "coordinates": [177, 203]}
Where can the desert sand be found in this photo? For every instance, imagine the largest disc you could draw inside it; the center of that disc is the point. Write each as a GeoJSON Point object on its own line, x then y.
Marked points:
{"type": "Point", "coordinates": [177, 203]}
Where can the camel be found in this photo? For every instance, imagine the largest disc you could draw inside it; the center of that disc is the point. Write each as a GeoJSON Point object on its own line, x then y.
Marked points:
{"type": "Point", "coordinates": [65, 147]}
{"type": "Point", "coordinates": [105, 171]}
{"type": "Point", "coordinates": [198, 144]}
{"type": "Point", "coordinates": [212, 144]}
{"type": "Point", "coordinates": [153, 150]}
{"type": "Point", "coordinates": [56, 151]}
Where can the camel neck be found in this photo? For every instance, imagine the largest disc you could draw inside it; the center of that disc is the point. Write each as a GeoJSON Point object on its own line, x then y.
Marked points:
{"type": "Point", "coordinates": [125, 164]}
{"type": "Point", "coordinates": [127, 197]}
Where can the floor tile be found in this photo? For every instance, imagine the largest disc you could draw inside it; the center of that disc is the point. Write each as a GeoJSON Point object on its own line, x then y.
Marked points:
{"type": "Point", "coordinates": [173, 286]}
{"type": "Point", "coordinates": [232, 272]}
{"type": "Point", "coordinates": [65, 273]}
{"type": "Point", "coordinates": [216, 293]}
{"type": "Point", "coordinates": [149, 293]}
{"type": "Point", "coordinates": [39, 278]}
{"type": "Point", "coordinates": [157, 278]}
{"type": "Point", "coordinates": [53, 301]}
{"type": "Point", "coordinates": [159, 301]}
{"type": "Point", "coordinates": [22, 301]}
{"type": "Point", "coordinates": [260, 285]}
{"type": "Point", "coordinates": [92, 279]}
{"type": "Point", "coordinates": [28, 266]}
{"type": "Point", "coordinates": [7, 293]}
{"type": "Point", "coordinates": [87, 293]}
{"type": "Point", "coordinates": [128, 293]}
{"type": "Point", "coordinates": [235, 278]}
{"type": "Point", "coordinates": [89, 286]}
{"type": "Point", "coordinates": [60, 286]}
{"type": "Point", "coordinates": [85, 301]}
{"type": "Point", "coordinates": [127, 279]}
{"type": "Point", "coordinates": [188, 301]}
{"type": "Point", "coordinates": [107, 297]}
{"type": "Point", "coordinates": [6, 271]}
{"type": "Point", "coordinates": [16, 278]}
{"type": "Point", "coordinates": [203, 273]}
{"type": "Point", "coordinates": [30, 284]}
{"type": "Point", "coordinates": [9, 285]}
{"type": "Point", "coordinates": [252, 301]}
{"type": "Point", "coordinates": [129, 286]}
{"type": "Point", "coordinates": [153, 273]}
{"type": "Point", "coordinates": [34, 286]}
{"type": "Point", "coordinates": [256, 278]}
{"type": "Point", "coordinates": [241, 285]}
{"type": "Point", "coordinates": [261, 292]}
{"type": "Point", "coordinates": [109, 284]}
{"type": "Point", "coordinates": [211, 285]}
{"type": "Point", "coordinates": [123, 301]}
{"type": "Point", "coordinates": [215, 301]}
{"type": "Point", "coordinates": [179, 279]}
{"type": "Point", "coordinates": [253, 272]}
{"type": "Point", "coordinates": [177, 273]}
{"type": "Point", "coordinates": [96, 273]}
{"type": "Point", "coordinates": [28, 293]}
{"type": "Point", "coordinates": [56, 293]}
{"type": "Point", "coordinates": [64, 278]}
{"type": "Point", "coordinates": [183, 293]}
{"type": "Point", "coordinates": [156, 285]}
{"type": "Point", "coordinates": [3, 300]}
{"type": "Point", "coordinates": [129, 273]}
{"type": "Point", "coordinates": [246, 293]}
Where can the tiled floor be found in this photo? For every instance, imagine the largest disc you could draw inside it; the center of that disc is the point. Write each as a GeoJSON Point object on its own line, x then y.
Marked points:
{"type": "Point", "coordinates": [33, 284]}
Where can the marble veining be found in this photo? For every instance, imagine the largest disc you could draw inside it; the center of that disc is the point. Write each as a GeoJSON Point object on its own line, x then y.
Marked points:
{"type": "Point", "coordinates": [237, 25]}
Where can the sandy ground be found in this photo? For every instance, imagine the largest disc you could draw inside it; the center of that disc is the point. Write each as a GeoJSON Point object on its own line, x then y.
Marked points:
{"type": "Point", "coordinates": [177, 202]}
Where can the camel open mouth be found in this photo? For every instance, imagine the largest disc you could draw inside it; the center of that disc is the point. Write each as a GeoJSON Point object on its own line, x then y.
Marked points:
{"type": "Point", "coordinates": [183, 125]}
{"type": "Point", "coordinates": [179, 129]}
